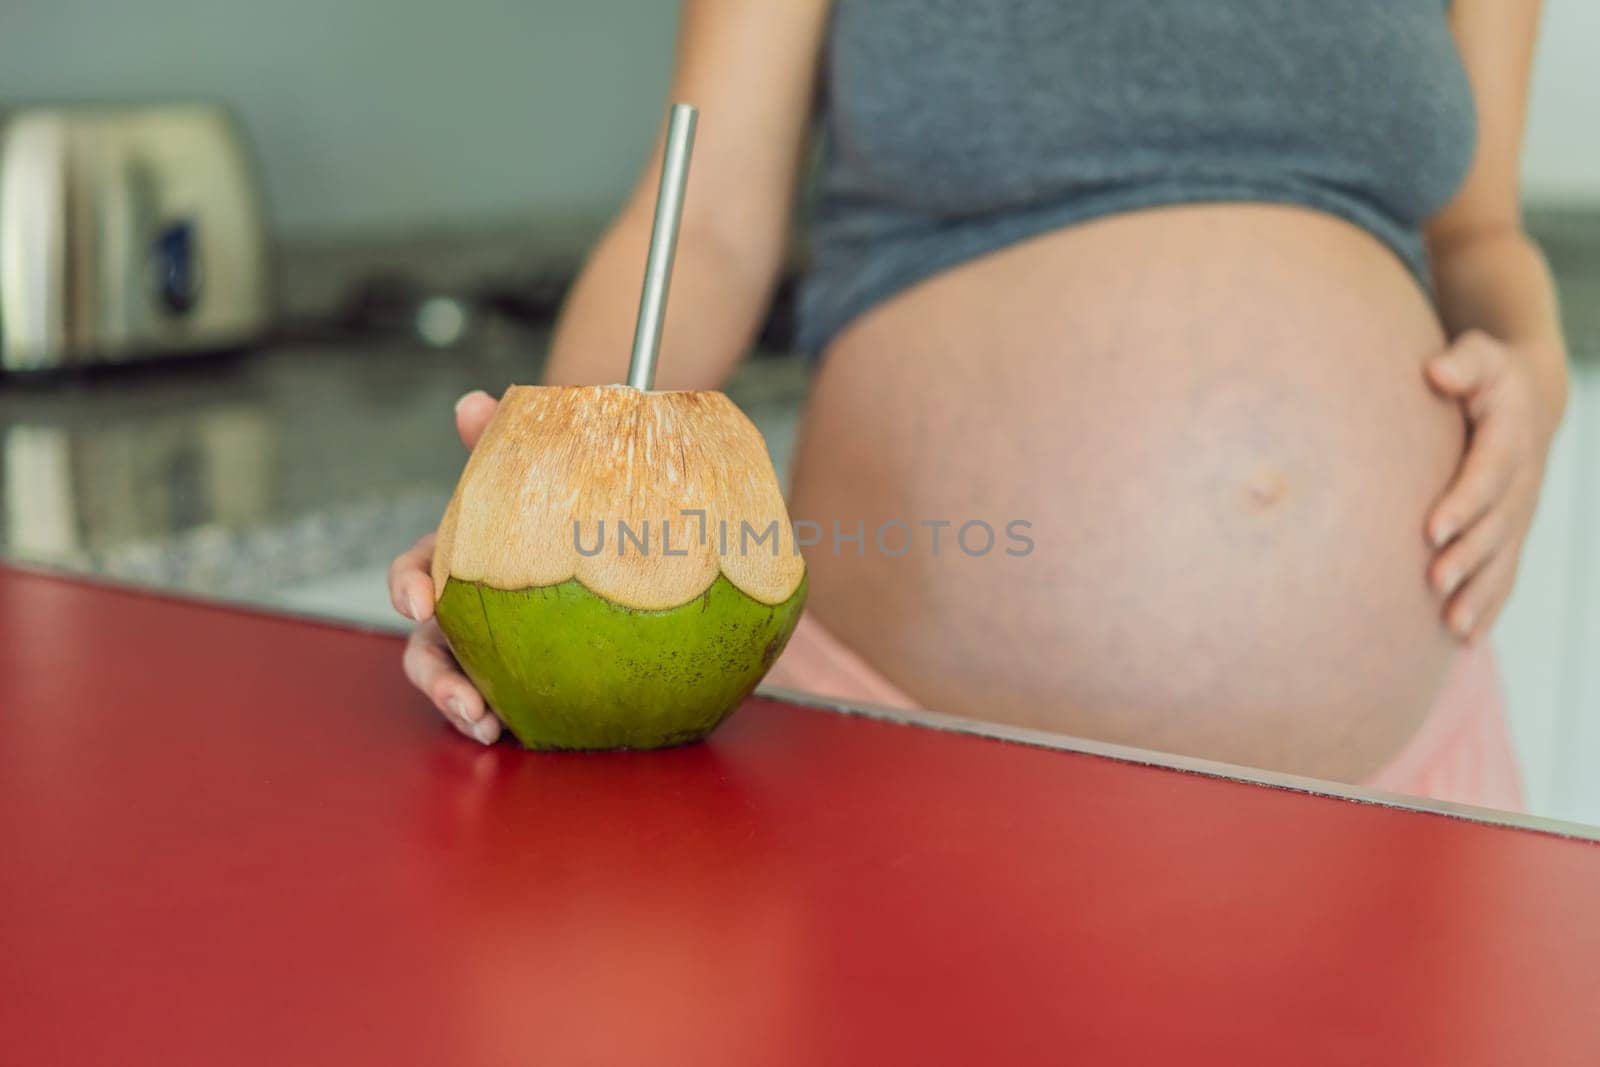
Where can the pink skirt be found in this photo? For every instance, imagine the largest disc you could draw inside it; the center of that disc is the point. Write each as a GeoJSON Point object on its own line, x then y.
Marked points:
{"type": "Point", "coordinates": [1462, 752]}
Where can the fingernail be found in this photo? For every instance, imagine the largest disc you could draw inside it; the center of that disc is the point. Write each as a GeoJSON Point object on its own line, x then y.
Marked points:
{"type": "Point", "coordinates": [1442, 532]}
{"type": "Point", "coordinates": [1449, 580]}
{"type": "Point", "coordinates": [410, 606]}
{"type": "Point", "coordinates": [484, 729]}
{"type": "Point", "coordinates": [465, 397]}
{"type": "Point", "coordinates": [1463, 623]}
{"type": "Point", "coordinates": [458, 707]}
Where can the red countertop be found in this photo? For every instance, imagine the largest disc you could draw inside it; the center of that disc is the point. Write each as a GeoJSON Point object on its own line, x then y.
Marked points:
{"type": "Point", "coordinates": [233, 838]}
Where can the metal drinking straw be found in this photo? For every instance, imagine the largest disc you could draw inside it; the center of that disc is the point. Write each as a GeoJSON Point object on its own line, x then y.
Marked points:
{"type": "Point", "coordinates": [663, 244]}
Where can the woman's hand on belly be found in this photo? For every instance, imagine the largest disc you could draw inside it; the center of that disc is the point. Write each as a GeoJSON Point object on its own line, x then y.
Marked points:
{"type": "Point", "coordinates": [1478, 527]}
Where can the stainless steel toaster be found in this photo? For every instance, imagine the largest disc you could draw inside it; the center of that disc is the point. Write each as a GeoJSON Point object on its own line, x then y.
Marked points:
{"type": "Point", "coordinates": [127, 233]}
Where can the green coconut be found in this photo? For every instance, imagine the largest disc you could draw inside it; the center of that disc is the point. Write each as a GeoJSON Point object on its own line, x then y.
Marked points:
{"type": "Point", "coordinates": [616, 568]}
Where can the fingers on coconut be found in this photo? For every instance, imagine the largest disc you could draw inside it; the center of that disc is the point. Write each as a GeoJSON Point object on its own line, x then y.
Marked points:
{"type": "Point", "coordinates": [473, 412]}
{"type": "Point", "coordinates": [410, 585]}
{"type": "Point", "coordinates": [487, 729]}
{"type": "Point", "coordinates": [430, 667]}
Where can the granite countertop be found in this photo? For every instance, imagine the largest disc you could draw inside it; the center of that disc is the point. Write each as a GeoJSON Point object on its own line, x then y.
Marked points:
{"type": "Point", "coordinates": [238, 476]}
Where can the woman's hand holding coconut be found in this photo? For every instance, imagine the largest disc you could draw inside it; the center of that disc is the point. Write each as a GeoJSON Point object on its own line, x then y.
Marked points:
{"type": "Point", "coordinates": [428, 662]}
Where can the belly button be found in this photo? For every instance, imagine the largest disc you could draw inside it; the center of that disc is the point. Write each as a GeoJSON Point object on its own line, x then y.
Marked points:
{"type": "Point", "coordinates": [1266, 489]}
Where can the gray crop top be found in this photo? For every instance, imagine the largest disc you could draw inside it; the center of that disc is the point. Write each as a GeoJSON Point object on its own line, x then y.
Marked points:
{"type": "Point", "coordinates": [952, 128]}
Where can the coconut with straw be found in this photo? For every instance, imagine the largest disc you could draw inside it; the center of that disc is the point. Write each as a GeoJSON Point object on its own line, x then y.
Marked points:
{"type": "Point", "coordinates": [616, 567]}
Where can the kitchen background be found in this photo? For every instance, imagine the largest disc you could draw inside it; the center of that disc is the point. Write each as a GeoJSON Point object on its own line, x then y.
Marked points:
{"type": "Point", "coordinates": [432, 171]}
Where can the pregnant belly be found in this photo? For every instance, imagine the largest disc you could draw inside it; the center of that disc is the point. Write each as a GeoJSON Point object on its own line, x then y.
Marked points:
{"type": "Point", "coordinates": [1213, 422]}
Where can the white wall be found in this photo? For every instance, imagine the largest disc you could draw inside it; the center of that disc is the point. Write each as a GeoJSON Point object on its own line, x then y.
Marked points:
{"type": "Point", "coordinates": [381, 113]}
{"type": "Point", "coordinates": [1561, 155]}
{"type": "Point", "coordinates": [384, 113]}
{"type": "Point", "coordinates": [1550, 631]}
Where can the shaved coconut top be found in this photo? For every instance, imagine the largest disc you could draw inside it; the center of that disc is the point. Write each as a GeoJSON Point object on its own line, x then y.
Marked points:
{"type": "Point", "coordinates": [553, 456]}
